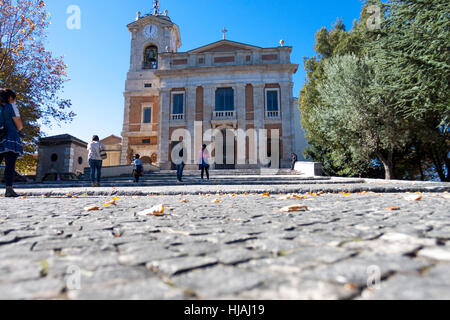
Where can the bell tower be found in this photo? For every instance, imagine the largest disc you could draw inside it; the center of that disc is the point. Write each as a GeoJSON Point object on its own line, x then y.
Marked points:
{"type": "Point", "coordinates": [151, 35]}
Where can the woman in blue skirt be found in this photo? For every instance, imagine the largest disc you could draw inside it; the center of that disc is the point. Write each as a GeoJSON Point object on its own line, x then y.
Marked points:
{"type": "Point", "coordinates": [10, 142]}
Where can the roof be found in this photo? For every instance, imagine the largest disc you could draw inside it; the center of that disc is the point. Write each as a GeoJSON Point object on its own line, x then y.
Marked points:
{"type": "Point", "coordinates": [62, 138]}
{"type": "Point", "coordinates": [224, 46]}
{"type": "Point", "coordinates": [111, 140]}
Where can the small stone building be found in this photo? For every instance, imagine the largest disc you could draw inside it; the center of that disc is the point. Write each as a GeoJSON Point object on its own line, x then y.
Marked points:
{"type": "Point", "coordinates": [113, 145]}
{"type": "Point", "coordinates": [61, 154]}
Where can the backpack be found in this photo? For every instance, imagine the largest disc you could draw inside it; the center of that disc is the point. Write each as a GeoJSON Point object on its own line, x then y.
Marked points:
{"type": "Point", "coordinates": [3, 127]}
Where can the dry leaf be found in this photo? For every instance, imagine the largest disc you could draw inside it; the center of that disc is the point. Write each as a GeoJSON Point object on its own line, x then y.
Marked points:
{"type": "Point", "coordinates": [184, 200]}
{"type": "Point", "coordinates": [154, 211]}
{"type": "Point", "coordinates": [93, 208]}
{"type": "Point", "coordinates": [116, 198]}
{"type": "Point", "coordinates": [266, 194]}
{"type": "Point", "coordinates": [113, 202]}
{"type": "Point", "coordinates": [351, 286]}
{"type": "Point", "coordinates": [414, 197]}
{"type": "Point", "coordinates": [216, 201]}
{"type": "Point", "coordinates": [295, 196]}
{"type": "Point", "coordinates": [395, 208]}
{"type": "Point", "coordinates": [294, 208]}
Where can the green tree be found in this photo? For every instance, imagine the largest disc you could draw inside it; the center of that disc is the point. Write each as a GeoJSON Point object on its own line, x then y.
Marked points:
{"type": "Point", "coordinates": [356, 117]}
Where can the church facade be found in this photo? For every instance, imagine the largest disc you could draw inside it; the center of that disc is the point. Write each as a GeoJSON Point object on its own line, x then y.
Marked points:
{"type": "Point", "coordinates": [236, 98]}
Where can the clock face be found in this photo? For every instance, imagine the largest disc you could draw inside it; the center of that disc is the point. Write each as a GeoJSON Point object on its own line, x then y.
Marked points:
{"type": "Point", "coordinates": [150, 31]}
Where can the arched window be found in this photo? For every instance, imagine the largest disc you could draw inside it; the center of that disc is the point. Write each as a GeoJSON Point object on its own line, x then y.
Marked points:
{"type": "Point", "coordinates": [151, 57]}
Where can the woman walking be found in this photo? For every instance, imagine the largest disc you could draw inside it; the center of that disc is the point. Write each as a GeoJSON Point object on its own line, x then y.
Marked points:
{"type": "Point", "coordinates": [10, 142]}
{"type": "Point", "coordinates": [203, 160]}
{"type": "Point", "coordinates": [96, 149]}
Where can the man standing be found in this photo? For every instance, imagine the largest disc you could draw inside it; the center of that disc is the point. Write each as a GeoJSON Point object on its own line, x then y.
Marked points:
{"type": "Point", "coordinates": [294, 159]}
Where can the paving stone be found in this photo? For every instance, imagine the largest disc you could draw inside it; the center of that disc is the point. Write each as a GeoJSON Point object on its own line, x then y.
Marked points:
{"type": "Point", "coordinates": [436, 253]}
{"type": "Point", "coordinates": [300, 289]}
{"type": "Point", "coordinates": [45, 288]}
{"type": "Point", "coordinates": [233, 256]}
{"type": "Point", "coordinates": [180, 265]}
{"type": "Point", "coordinates": [214, 282]}
{"type": "Point", "coordinates": [409, 287]}
{"type": "Point", "coordinates": [141, 257]}
{"type": "Point", "coordinates": [148, 289]}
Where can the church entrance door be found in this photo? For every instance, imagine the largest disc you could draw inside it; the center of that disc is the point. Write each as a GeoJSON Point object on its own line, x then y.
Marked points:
{"type": "Point", "coordinates": [228, 150]}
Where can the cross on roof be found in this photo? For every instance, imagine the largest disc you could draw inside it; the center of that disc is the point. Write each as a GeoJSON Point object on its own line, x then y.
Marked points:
{"type": "Point", "coordinates": [224, 31]}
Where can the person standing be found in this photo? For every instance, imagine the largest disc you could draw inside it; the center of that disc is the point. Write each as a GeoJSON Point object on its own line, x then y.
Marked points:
{"type": "Point", "coordinates": [95, 149]}
{"type": "Point", "coordinates": [138, 168]}
{"type": "Point", "coordinates": [294, 159]}
{"type": "Point", "coordinates": [10, 143]}
{"type": "Point", "coordinates": [203, 160]}
{"type": "Point", "coordinates": [180, 165]}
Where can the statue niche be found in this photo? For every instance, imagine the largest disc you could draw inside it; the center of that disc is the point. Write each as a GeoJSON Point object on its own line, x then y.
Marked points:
{"type": "Point", "coordinates": [151, 57]}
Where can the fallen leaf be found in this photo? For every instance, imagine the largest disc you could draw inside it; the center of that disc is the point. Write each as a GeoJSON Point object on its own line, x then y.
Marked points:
{"type": "Point", "coordinates": [295, 196]}
{"type": "Point", "coordinates": [154, 211]}
{"type": "Point", "coordinates": [116, 198]}
{"type": "Point", "coordinates": [266, 194]}
{"type": "Point", "coordinates": [351, 286]}
{"type": "Point", "coordinates": [184, 200]}
{"type": "Point", "coordinates": [414, 197]}
{"type": "Point", "coordinates": [93, 208]}
{"type": "Point", "coordinates": [393, 208]}
{"type": "Point", "coordinates": [216, 201]}
{"type": "Point", "coordinates": [110, 203]}
{"type": "Point", "coordinates": [294, 208]}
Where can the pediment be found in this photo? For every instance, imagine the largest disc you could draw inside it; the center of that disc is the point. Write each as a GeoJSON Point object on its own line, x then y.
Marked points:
{"type": "Point", "coordinates": [224, 46]}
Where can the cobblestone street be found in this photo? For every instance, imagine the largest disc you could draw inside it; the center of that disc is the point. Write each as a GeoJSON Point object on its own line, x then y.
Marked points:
{"type": "Point", "coordinates": [363, 245]}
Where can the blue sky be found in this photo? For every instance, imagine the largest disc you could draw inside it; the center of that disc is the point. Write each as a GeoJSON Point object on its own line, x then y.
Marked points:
{"type": "Point", "coordinates": [98, 54]}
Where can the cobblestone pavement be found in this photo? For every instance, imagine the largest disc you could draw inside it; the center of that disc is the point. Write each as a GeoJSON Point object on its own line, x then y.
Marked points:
{"type": "Point", "coordinates": [220, 246]}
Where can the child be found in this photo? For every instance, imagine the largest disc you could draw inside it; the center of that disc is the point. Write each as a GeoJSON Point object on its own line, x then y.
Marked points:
{"type": "Point", "coordinates": [138, 168]}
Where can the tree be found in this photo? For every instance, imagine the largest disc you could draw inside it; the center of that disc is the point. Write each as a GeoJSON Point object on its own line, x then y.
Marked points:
{"type": "Point", "coordinates": [356, 117]}
{"type": "Point", "coordinates": [30, 70]}
{"type": "Point", "coordinates": [412, 53]}
{"type": "Point", "coordinates": [408, 60]}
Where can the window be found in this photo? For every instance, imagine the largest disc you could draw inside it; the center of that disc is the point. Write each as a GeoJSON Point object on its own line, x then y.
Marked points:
{"type": "Point", "coordinates": [54, 157]}
{"type": "Point", "coordinates": [273, 103]}
{"type": "Point", "coordinates": [224, 99]}
{"type": "Point", "coordinates": [178, 105]}
{"type": "Point", "coordinates": [272, 100]}
{"type": "Point", "coordinates": [147, 117]}
{"type": "Point", "coordinates": [147, 85]}
{"type": "Point", "coordinates": [146, 141]}
{"type": "Point", "coordinates": [80, 160]}
{"type": "Point", "coordinates": [151, 57]}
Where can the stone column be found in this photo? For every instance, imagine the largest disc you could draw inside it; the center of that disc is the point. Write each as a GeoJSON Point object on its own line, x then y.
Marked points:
{"type": "Point", "coordinates": [241, 123]}
{"type": "Point", "coordinates": [259, 114]}
{"type": "Point", "coordinates": [163, 136]}
{"type": "Point", "coordinates": [191, 95]}
{"type": "Point", "coordinates": [286, 119]}
{"type": "Point", "coordinates": [125, 130]}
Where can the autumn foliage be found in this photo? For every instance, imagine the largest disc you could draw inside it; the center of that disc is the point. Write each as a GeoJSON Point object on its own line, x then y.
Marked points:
{"type": "Point", "coordinates": [31, 70]}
